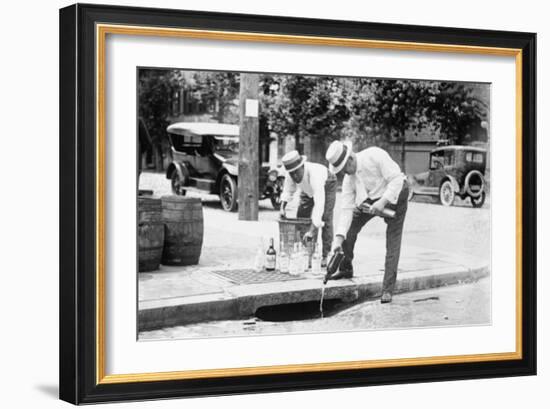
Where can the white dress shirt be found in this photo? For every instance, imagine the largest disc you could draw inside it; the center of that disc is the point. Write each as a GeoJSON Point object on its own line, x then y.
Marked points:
{"type": "Point", "coordinates": [313, 185]}
{"type": "Point", "coordinates": [377, 175]}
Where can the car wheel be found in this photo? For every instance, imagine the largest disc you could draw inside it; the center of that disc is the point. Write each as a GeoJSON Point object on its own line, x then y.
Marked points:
{"type": "Point", "coordinates": [228, 193]}
{"type": "Point", "coordinates": [177, 184]}
{"type": "Point", "coordinates": [446, 193]}
{"type": "Point", "coordinates": [478, 201]}
{"type": "Point", "coordinates": [474, 183]}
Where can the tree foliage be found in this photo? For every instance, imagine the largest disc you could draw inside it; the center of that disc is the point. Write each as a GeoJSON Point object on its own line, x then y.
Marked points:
{"type": "Point", "coordinates": [156, 88]}
{"type": "Point", "coordinates": [216, 90]}
{"type": "Point", "coordinates": [456, 109]}
{"type": "Point", "coordinates": [368, 111]}
{"type": "Point", "coordinates": [155, 91]}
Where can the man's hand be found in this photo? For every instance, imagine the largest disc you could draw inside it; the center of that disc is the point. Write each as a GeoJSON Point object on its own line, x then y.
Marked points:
{"type": "Point", "coordinates": [378, 207]}
{"type": "Point", "coordinates": [337, 243]}
{"type": "Point", "coordinates": [308, 236]}
{"type": "Point", "coordinates": [282, 211]}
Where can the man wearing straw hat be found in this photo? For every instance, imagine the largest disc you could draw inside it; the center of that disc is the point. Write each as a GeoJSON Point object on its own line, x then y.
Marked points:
{"type": "Point", "coordinates": [371, 178]}
{"type": "Point", "coordinates": [317, 195]}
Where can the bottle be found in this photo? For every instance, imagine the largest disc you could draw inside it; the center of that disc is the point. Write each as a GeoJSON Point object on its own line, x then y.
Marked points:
{"type": "Point", "coordinates": [310, 248]}
{"type": "Point", "coordinates": [284, 262]}
{"type": "Point", "coordinates": [270, 257]}
{"type": "Point", "coordinates": [259, 259]}
{"type": "Point", "coordinates": [302, 258]}
{"type": "Point", "coordinates": [316, 261]}
{"type": "Point", "coordinates": [333, 264]}
{"type": "Point", "coordinates": [294, 260]}
{"type": "Point", "coordinates": [386, 213]}
{"type": "Point", "coordinates": [305, 258]}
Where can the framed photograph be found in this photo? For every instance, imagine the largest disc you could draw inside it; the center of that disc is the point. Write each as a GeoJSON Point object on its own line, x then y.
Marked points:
{"type": "Point", "coordinates": [258, 203]}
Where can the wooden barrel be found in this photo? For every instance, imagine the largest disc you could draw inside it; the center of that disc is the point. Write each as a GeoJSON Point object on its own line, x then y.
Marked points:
{"type": "Point", "coordinates": [150, 233]}
{"type": "Point", "coordinates": [184, 230]}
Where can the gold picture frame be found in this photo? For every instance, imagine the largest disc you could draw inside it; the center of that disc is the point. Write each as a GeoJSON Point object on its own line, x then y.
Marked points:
{"type": "Point", "coordinates": [95, 24]}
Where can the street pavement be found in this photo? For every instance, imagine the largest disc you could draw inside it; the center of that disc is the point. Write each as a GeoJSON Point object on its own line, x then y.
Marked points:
{"type": "Point", "coordinates": [457, 305]}
{"type": "Point", "coordinates": [441, 245]}
{"type": "Point", "coordinates": [459, 229]}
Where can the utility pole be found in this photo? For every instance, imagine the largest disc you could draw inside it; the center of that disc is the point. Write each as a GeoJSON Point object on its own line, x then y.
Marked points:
{"type": "Point", "coordinates": [249, 162]}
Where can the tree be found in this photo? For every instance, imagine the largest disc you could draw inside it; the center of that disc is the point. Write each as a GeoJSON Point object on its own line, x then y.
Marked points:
{"type": "Point", "coordinates": [395, 106]}
{"type": "Point", "coordinates": [456, 109]}
{"type": "Point", "coordinates": [305, 107]}
{"type": "Point", "coordinates": [155, 90]}
{"type": "Point", "coordinates": [218, 91]}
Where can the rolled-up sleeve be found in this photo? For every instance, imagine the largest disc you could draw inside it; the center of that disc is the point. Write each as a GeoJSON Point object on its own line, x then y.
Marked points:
{"type": "Point", "coordinates": [289, 188]}
{"type": "Point", "coordinates": [392, 175]}
{"type": "Point", "coordinates": [318, 180]}
{"type": "Point", "coordinates": [347, 205]}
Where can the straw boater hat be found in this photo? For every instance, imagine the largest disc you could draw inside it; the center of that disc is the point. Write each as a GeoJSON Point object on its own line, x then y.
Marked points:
{"type": "Point", "coordinates": [337, 155]}
{"type": "Point", "coordinates": [293, 160]}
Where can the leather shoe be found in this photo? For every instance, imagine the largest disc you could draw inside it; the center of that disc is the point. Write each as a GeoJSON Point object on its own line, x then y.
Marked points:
{"type": "Point", "coordinates": [386, 297]}
{"type": "Point", "coordinates": [341, 274]}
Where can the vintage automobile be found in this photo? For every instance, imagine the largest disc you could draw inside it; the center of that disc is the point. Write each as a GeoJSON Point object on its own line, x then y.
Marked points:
{"type": "Point", "coordinates": [453, 171]}
{"type": "Point", "coordinates": [205, 158]}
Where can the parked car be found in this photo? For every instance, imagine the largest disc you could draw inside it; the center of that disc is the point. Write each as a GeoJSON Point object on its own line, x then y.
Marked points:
{"type": "Point", "coordinates": [453, 171]}
{"type": "Point", "coordinates": [205, 159]}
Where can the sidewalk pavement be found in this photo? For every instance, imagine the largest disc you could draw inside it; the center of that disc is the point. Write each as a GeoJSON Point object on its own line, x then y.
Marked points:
{"type": "Point", "coordinates": [217, 289]}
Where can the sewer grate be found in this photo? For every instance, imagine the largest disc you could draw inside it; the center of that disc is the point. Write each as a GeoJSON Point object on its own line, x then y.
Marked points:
{"type": "Point", "coordinates": [250, 276]}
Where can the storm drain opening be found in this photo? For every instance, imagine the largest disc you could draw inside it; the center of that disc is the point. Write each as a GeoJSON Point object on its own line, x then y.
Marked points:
{"type": "Point", "coordinates": [306, 310]}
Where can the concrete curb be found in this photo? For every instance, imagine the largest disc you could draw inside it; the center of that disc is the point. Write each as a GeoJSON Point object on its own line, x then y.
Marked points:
{"type": "Point", "coordinates": [241, 302]}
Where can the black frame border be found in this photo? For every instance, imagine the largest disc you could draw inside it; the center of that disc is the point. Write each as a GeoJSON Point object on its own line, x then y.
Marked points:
{"type": "Point", "coordinates": [77, 316]}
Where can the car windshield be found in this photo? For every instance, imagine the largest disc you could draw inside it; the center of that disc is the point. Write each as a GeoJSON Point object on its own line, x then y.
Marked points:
{"type": "Point", "coordinates": [226, 144]}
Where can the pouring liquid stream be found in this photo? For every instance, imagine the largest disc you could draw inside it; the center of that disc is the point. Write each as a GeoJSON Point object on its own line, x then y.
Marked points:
{"type": "Point", "coordinates": [322, 297]}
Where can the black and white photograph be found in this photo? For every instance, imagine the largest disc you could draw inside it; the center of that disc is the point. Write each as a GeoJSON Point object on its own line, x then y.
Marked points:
{"type": "Point", "coordinates": [261, 203]}
{"type": "Point", "coordinates": [275, 203]}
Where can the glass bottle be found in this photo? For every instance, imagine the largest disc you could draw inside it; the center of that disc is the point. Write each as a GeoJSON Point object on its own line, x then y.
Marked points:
{"type": "Point", "coordinates": [316, 261]}
{"type": "Point", "coordinates": [284, 261]}
{"type": "Point", "coordinates": [259, 259]}
{"type": "Point", "coordinates": [302, 258]}
{"type": "Point", "coordinates": [270, 257]}
{"type": "Point", "coordinates": [294, 260]}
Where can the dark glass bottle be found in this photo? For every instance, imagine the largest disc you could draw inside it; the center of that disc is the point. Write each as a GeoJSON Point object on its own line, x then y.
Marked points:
{"type": "Point", "coordinates": [270, 257]}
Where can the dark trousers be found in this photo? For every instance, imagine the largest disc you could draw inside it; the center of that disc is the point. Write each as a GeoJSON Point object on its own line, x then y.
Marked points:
{"type": "Point", "coordinates": [306, 207]}
{"type": "Point", "coordinates": [394, 233]}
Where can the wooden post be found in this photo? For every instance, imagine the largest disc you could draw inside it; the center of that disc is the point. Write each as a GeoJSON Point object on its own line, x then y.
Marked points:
{"type": "Point", "coordinates": [249, 166]}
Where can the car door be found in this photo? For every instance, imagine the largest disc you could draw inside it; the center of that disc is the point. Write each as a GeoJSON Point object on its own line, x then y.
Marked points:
{"type": "Point", "coordinates": [436, 173]}
{"type": "Point", "coordinates": [202, 157]}
{"type": "Point", "coordinates": [188, 149]}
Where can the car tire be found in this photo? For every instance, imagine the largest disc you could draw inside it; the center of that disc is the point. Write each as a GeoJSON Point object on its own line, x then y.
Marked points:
{"type": "Point", "coordinates": [446, 193]}
{"type": "Point", "coordinates": [228, 193]}
{"type": "Point", "coordinates": [478, 201]}
{"type": "Point", "coordinates": [176, 184]}
{"type": "Point", "coordinates": [468, 179]}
